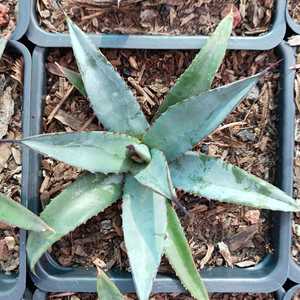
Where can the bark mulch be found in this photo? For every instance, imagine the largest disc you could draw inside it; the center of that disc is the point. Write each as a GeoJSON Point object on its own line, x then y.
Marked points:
{"type": "Point", "coordinates": [11, 73]}
{"type": "Point", "coordinates": [252, 17]}
{"type": "Point", "coordinates": [294, 10]}
{"type": "Point", "coordinates": [8, 16]}
{"type": "Point", "coordinates": [216, 296]}
{"type": "Point", "coordinates": [219, 234]}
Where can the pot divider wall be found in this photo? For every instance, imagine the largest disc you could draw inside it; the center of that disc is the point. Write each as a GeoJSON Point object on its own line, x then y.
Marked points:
{"type": "Point", "coordinates": [271, 39]}
{"type": "Point", "coordinates": [268, 276]}
{"type": "Point", "coordinates": [23, 19]}
{"type": "Point", "coordinates": [294, 268]}
{"type": "Point", "coordinates": [13, 286]}
{"type": "Point", "coordinates": [40, 295]}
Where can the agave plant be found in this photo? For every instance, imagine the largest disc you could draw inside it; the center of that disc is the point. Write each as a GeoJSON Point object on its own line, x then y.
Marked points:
{"type": "Point", "coordinates": [143, 164]}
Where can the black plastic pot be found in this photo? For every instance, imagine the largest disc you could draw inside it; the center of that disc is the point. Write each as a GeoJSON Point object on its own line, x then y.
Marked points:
{"type": "Point", "coordinates": [13, 286]}
{"type": "Point", "coordinates": [40, 295]}
{"type": "Point", "coordinates": [274, 37]}
{"type": "Point", "coordinates": [291, 22]}
{"type": "Point", "coordinates": [291, 292]}
{"type": "Point", "coordinates": [267, 276]}
{"type": "Point", "coordinates": [23, 19]}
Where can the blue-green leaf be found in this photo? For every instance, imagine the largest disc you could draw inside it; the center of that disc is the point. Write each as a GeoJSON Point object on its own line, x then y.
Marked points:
{"type": "Point", "coordinates": [85, 198]}
{"type": "Point", "coordinates": [15, 214]}
{"type": "Point", "coordinates": [95, 151]}
{"type": "Point", "coordinates": [215, 179]}
{"type": "Point", "coordinates": [200, 74]}
{"type": "Point", "coordinates": [156, 175]}
{"type": "Point", "coordinates": [111, 99]}
{"type": "Point", "coordinates": [180, 257]}
{"type": "Point", "coordinates": [74, 78]}
{"type": "Point", "coordinates": [144, 224]}
{"type": "Point", "coordinates": [182, 126]}
{"type": "Point", "coordinates": [106, 289]}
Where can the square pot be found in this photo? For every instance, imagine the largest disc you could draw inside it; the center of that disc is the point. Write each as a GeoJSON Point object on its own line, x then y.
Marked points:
{"type": "Point", "coordinates": [23, 19]}
{"type": "Point", "coordinates": [271, 39]}
{"type": "Point", "coordinates": [267, 276]}
{"type": "Point", "coordinates": [13, 286]}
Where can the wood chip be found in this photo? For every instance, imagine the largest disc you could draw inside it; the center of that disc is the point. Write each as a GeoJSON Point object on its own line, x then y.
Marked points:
{"type": "Point", "coordinates": [242, 238]}
{"type": "Point", "coordinates": [207, 257]}
{"type": "Point", "coordinates": [5, 154]}
{"type": "Point", "coordinates": [68, 119]}
{"type": "Point", "coordinates": [6, 110]}
{"type": "Point", "coordinates": [224, 250]}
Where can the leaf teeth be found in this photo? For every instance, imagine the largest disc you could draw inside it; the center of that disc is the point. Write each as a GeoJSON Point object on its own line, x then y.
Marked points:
{"type": "Point", "coordinates": [107, 91]}
{"type": "Point", "coordinates": [144, 226]}
{"type": "Point", "coordinates": [85, 198]}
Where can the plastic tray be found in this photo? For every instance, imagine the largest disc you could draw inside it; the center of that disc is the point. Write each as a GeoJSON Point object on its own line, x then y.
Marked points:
{"type": "Point", "coordinates": [271, 39]}
{"type": "Point", "coordinates": [23, 19]}
{"type": "Point", "coordinates": [13, 286]}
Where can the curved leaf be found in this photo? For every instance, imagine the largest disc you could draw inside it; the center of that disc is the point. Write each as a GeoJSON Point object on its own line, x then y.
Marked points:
{"type": "Point", "coordinates": [95, 151]}
{"type": "Point", "coordinates": [15, 214]}
{"type": "Point", "coordinates": [74, 78]}
{"type": "Point", "coordinates": [199, 75]}
{"type": "Point", "coordinates": [213, 178]}
{"type": "Point", "coordinates": [156, 175]}
{"type": "Point", "coordinates": [112, 100]}
{"type": "Point", "coordinates": [180, 257]}
{"type": "Point", "coordinates": [106, 289]}
{"type": "Point", "coordinates": [144, 224]}
{"type": "Point", "coordinates": [182, 126]}
{"type": "Point", "coordinates": [85, 198]}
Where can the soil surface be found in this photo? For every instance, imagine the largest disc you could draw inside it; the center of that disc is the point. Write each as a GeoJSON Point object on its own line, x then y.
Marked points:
{"type": "Point", "coordinates": [252, 17]}
{"type": "Point", "coordinates": [294, 9]}
{"type": "Point", "coordinates": [248, 138]}
{"type": "Point", "coordinates": [8, 13]}
{"type": "Point", "coordinates": [216, 296]}
{"type": "Point", "coordinates": [11, 70]}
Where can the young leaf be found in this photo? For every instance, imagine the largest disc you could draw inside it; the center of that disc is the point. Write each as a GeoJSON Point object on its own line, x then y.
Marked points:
{"type": "Point", "coordinates": [15, 214]}
{"type": "Point", "coordinates": [184, 124]}
{"type": "Point", "coordinates": [95, 151]}
{"type": "Point", "coordinates": [112, 100]}
{"type": "Point", "coordinates": [144, 224]}
{"type": "Point", "coordinates": [200, 74]}
{"type": "Point", "coordinates": [213, 178]}
{"type": "Point", "coordinates": [155, 175]}
{"type": "Point", "coordinates": [85, 198]}
{"type": "Point", "coordinates": [74, 78]}
{"type": "Point", "coordinates": [3, 43]}
{"type": "Point", "coordinates": [106, 289]}
{"type": "Point", "coordinates": [180, 257]}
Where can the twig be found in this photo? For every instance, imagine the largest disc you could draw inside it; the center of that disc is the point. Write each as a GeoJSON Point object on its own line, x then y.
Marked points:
{"type": "Point", "coordinates": [58, 106]}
